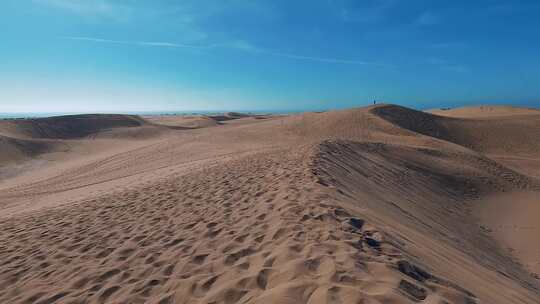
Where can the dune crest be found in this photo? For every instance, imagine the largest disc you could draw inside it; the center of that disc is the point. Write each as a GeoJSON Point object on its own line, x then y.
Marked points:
{"type": "Point", "coordinates": [67, 127]}
{"type": "Point", "coordinates": [485, 111]}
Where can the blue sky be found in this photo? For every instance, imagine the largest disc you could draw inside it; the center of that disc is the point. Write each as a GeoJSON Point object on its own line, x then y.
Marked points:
{"type": "Point", "coordinates": [129, 55]}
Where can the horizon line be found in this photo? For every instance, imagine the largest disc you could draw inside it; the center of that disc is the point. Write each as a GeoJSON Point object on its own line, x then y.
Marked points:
{"type": "Point", "coordinates": [10, 114]}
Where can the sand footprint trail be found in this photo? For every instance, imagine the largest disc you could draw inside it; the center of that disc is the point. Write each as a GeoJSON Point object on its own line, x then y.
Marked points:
{"type": "Point", "coordinates": [267, 233]}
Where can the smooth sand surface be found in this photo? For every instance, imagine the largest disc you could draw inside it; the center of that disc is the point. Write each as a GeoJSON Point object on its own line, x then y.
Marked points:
{"type": "Point", "coordinates": [513, 218]}
{"type": "Point", "coordinates": [186, 121]}
{"type": "Point", "coordinates": [383, 204]}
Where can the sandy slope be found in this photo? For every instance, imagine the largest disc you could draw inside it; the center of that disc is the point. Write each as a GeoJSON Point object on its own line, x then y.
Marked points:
{"type": "Point", "coordinates": [513, 219]}
{"type": "Point", "coordinates": [372, 205]}
{"type": "Point", "coordinates": [187, 121]}
{"type": "Point", "coordinates": [485, 111]}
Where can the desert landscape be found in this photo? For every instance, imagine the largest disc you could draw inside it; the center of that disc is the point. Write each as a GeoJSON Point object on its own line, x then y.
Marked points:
{"type": "Point", "coordinates": [379, 204]}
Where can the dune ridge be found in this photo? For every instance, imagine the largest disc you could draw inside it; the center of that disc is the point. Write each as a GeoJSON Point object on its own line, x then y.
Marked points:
{"type": "Point", "coordinates": [67, 127]}
{"type": "Point", "coordinates": [495, 135]}
{"type": "Point", "coordinates": [369, 205]}
{"type": "Point", "coordinates": [485, 111]}
{"type": "Point", "coordinates": [23, 139]}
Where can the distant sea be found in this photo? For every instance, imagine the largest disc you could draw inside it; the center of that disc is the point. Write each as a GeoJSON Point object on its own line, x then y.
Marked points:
{"type": "Point", "coordinates": [27, 115]}
{"type": "Point", "coordinates": [37, 115]}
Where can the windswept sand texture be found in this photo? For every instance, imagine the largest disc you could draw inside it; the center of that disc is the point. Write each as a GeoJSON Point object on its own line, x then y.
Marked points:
{"type": "Point", "coordinates": [383, 204]}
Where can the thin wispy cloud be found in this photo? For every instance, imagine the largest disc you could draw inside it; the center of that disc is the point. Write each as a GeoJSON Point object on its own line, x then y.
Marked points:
{"type": "Point", "coordinates": [446, 45]}
{"type": "Point", "coordinates": [236, 45]}
{"type": "Point", "coordinates": [456, 68]}
{"type": "Point", "coordinates": [363, 12]}
{"type": "Point", "coordinates": [140, 43]}
{"type": "Point", "coordinates": [92, 9]}
{"type": "Point", "coordinates": [428, 18]}
{"type": "Point", "coordinates": [436, 61]}
{"type": "Point", "coordinates": [511, 8]}
{"type": "Point", "coordinates": [320, 59]}
{"type": "Point", "coordinates": [97, 6]}
{"type": "Point", "coordinates": [445, 65]}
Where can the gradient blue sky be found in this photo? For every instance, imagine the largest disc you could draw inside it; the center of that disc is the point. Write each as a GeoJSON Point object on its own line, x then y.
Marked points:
{"type": "Point", "coordinates": [128, 55]}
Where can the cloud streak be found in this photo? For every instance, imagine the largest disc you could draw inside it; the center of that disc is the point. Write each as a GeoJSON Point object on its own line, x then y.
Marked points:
{"type": "Point", "coordinates": [363, 12]}
{"type": "Point", "coordinates": [319, 59]}
{"type": "Point", "coordinates": [238, 45]}
{"type": "Point", "coordinates": [447, 66]}
{"type": "Point", "coordinates": [140, 43]}
{"type": "Point", "coordinates": [428, 18]}
{"type": "Point", "coordinates": [93, 9]}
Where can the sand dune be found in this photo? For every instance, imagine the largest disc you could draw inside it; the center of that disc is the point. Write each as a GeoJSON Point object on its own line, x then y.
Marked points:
{"type": "Point", "coordinates": [197, 121]}
{"type": "Point", "coordinates": [185, 121]}
{"type": "Point", "coordinates": [513, 220]}
{"type": "Point", "coordinates": [494, 135]}
{"type": "Point", "coordinates": [21, 139]}
{"type": "Point", "coordinates": [67, 127]}
{"type": "Point", "coordinates": [16, 149]}
{"type": "Point", "coordinates": [383, 204]}
{"type": "Point", "coordinates": [485, 111]}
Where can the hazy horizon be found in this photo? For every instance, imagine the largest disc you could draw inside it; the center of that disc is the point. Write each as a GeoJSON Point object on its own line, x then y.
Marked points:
{"type": "Point", "coordinates": [30, 114]}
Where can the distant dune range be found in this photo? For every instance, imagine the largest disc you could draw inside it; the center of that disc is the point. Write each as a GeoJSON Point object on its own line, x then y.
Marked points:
{"type": "Point", "coordinates": [21, 139]}
{"type": "Point", "coordinates": [383, 204]}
